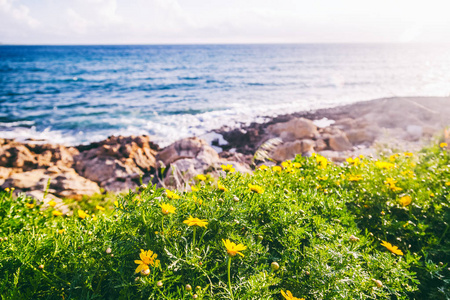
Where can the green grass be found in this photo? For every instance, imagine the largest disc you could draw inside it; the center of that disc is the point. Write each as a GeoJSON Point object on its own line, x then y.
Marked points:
{"type": "Point", "coordinates": [322, 225]}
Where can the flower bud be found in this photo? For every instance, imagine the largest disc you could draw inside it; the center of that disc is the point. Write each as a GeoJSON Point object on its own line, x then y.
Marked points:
{"type": "Point", "coordinates": [235, 199]}
{"type": "Point", "coordinates": [41, 267]}
{"type": "Point", "coordinates": [274, 266]}
{"type": "Point", "coordinates": [159, 283]}
{"type": "Point", "coordinates": [108, 251]}
{"type": "Point", "coordinates": [260, 237]}
{"type": "Point", "coordinates": [195, 296]}
{"type": "Point", "coordinates": [145, 272]}
{"type": "Point", "coordinates": [378, 283]}
{"type": "Point", "coordinates": [188, 287]}
{"type": "Point", "coordinates": [353, 239]}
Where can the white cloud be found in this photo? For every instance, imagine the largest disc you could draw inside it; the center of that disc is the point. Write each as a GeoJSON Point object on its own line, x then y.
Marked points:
{"type": "Point", "coordinates": [209, 21]}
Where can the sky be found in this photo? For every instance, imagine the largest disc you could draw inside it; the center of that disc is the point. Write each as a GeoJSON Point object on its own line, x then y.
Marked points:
{"type": "Point", "coordinates": [223, 21]}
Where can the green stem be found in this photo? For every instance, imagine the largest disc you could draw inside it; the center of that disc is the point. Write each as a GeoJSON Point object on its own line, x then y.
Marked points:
{"type": "Point", "coordinates": [229, 277]}
{"type": "Point", "coordinates": [162, 227]}
{"type": "Point", "coordinates": [193, 239]}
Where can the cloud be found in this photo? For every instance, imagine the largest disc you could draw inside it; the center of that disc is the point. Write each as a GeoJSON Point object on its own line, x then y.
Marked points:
{"type": "Point", "coordinates": [15, 20]}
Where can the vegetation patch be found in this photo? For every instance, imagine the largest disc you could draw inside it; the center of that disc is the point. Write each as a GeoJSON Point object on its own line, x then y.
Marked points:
{"type": "Point", "coordinates": [366, 229]}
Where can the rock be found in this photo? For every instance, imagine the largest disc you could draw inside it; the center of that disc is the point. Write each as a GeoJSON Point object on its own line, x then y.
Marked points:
{"type": "Point", "coordinates": [102, 169]}
{"type": "Point", "coordinates": [118, 162]}
{"type": "Point", "coordinates": [16, 155]}
{"type": "Point", "coordinates": [70, 185]}
{"type": "Point", "coordinates": [289, 150]}
{"type": "Point", "coordinates": [340, 143]}
{"type": "Point", "coordinates": [39, 196]}
{"type": "Point", "coordinates": [366, 135]}
{"type": "Point", "coordinates": [333, 155]}
{"type": "Point", "coordinates": [297, 128]}
{"type": "Point", "coordinates": [320, 145]}
{"type": "Point", "coordinates": [121, 184]}
{"type": "Point", "coordinates": [188, 148]}
{"type": "Point", "coordinates": [189, 157]}
{"type": "Point", "coordinates": [31, 180]}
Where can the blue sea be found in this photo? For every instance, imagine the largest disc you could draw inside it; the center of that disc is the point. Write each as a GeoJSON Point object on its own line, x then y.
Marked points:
{"type": "Point", "coordinates": [80, 94]}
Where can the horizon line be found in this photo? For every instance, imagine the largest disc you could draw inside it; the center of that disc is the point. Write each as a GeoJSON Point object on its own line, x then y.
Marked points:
{"type": "Point", "coordinates": [233, 43]}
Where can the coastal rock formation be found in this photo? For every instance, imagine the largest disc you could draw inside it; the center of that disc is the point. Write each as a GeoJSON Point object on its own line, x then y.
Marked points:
{"type": "Point", "coordinates": [117, 162]}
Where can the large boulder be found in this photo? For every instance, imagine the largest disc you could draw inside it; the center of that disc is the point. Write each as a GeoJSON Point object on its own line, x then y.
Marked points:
{"type": "Point", "coordinates": [297, 128]}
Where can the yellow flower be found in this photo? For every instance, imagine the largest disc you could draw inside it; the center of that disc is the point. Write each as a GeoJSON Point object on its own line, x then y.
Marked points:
{"type": "Point", "coordinates": [447, 183]}
{"type": "Point", "coordinates": [353, 161]}
{"type": "Point", "coordinates": [7, 189]}
{"type": "Point", "coordinates": [255, 188]}
{"type": "Point", "coordinates": [195, 222]}
{"type": "Point", "coordinates": [393, 249]}
{"type": "Point", "coordinates": [288, 296]}
{"type": "Point", "coordinates": [297, 165]}
{"type": "Point", "coordinates": [322, 177]}
{"type": "Point", "coordinates": [57, 213]}
{"type": "Point", "coordinates": [52, 203]}
{"type": "Point", "coordinates": [390, 181]}
{"type": "Point", "coordinates": [393, 157]}
{"type": "Point", "coordinates": [221, 187]}
{"type": "Point", "coordinates": [167, 208]}
{"type": "Point", "coordinates": [29, 205]}
{"type": "Point", "coordinates": [286, 164]}
{"type": "Point", "coordinates": [408, 173]}
{"type": "Point", "coordinates": [354, 178]}
{"type": "Point", "coordinates": [321, 161]}
{"type": "Point", "coordinates": [194, 188]}
{"type": "Point", "coordinates": [228, 168]}
{"type": "Point", "coordinates": [100, 207]}
{"type": "Point", "coordinates": [263, 167]}
{"type": "Point", "coordinates": [408, 154]}
{"type": "Point", "coordinates": [199, 201]}
{"type": "Point", "coordinates": [276, 169]}
{"type": "Point", "coordinates": [61, 231]}
{"type": "Point", "coordinates": [232, 248]}
{"type": "Point", "coordinates": [201, 177]}
{"type": "Point", "coordinates": [443, 145]}
{"type": "Point", "coordinates": [172, 195]}
{"type": "Point", "coordinates": [82, 214]}
{"type": "Point", "coordinates": [395, 188]}
{"type": "Point", "coordinates": [405, 200]}
{"type": "Point", "coordinates": [384, 165]}
{"type": "Point", "coordinates": [148, 258]}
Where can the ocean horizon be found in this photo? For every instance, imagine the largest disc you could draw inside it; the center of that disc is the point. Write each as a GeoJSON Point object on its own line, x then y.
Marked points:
{"type": "Point", "coordinates": [77, 94]}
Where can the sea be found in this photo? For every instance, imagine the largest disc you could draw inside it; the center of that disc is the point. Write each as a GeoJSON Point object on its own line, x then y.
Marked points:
{"type": "Point", "coordinates": [80, 94]}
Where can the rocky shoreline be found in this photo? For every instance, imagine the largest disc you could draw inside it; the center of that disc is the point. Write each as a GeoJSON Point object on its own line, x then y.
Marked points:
{"type": "Point", "coordinates": [121, 163]}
